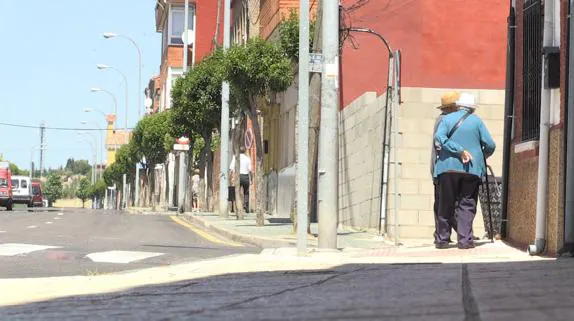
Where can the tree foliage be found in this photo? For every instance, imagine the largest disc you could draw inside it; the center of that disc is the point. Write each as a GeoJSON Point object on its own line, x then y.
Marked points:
{"type": "Point", "coordinates": [125, 160]}
{"type": "Point", "coordinates": [196, 98]}
{"type": "Point", "coordinates": [83, 192]}
{"type": "Point", "coordinates": [15, 170]}
{"type": "Point", "coordinates": [151, 139]}
{"type": "Point", "coordinates": [98, 189]}
{"type": "Point", "coordinates": [289, 35]}
{"type": "Point", "coordinates": [53, 188]}
{"type": "Point", "coordinates": [78, 167]}
{"type": "Point", "coordinates": [258, 68]}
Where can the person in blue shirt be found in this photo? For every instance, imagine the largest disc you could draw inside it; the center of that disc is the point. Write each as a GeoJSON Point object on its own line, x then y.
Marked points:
{"type": "Point", "coordinates": [459, 169]}
{"type": "Point", "coordinates": [448, 105]}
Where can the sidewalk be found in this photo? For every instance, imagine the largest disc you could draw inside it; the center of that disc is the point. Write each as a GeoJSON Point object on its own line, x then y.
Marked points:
{"type": "Point", "coordinates": [278, 238]}
{"type": "Point", "coordinates": [278, 233]}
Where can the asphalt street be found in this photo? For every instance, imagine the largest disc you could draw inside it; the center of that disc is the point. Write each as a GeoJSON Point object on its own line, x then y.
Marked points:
{"type": "Point", "coordinates": [40, 243]}
{"type": "Point", "coordinates": [443, 292]}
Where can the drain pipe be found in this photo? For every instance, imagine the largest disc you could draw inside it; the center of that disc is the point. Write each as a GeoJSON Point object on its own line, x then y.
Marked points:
{"type": "Point", "coordinates": [508, 113]}
{"type": "Point", "coordinates": [545, 104]}
{"type": "Point", "coordinates": [569, 192]}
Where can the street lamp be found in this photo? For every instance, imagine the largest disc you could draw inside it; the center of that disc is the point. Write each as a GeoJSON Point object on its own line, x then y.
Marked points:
{"type": "Point", "coordinates": [85, 122]}
{"type": "Point", "coordinates": [108, 35]}
{"type": "Point", "coordinates": [104, 67]}
{"type": "Point", "coordinates": [109, 93]}
{"type": "Point", "coordinates": [89, 110]}
{"type": "Point", "coordinates": [94, 151]}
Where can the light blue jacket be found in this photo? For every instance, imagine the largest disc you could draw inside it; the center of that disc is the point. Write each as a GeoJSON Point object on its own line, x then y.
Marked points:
{"type": "Point", "coordinates": [472, 135]}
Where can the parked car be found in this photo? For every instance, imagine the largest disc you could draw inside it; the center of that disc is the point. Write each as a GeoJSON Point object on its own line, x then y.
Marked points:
{"type": "Point", "coordinates": [37, 195]}
{"type": "Point", "coordinates": [22, 190]}
{"type": "Point", "coordinates": [6, 194]}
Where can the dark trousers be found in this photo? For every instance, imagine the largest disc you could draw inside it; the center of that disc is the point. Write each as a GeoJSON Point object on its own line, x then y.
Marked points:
{"type": "Point", "coordinates": [458, 194]}
{"type": "Point", "coordinates": [244, 183]}
{"type": "Point", "coordinates": [452, 221]}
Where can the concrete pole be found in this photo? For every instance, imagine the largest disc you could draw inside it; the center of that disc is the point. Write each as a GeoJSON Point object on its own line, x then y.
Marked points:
{"type": "Point", "coordinates": [124, 202]}
{"type": "Point", "coordinates": [185, 29]}
{"type": "Point", "coordinates": [395, 130]}
{"type": "Point", "coordinates": [224, 164]}
{"type": "Point", "coordinates": [171, 178]}
{"type": "Point", "coordinates": [303, 138]}
{"type": "Point", "coordinates": [328, 188]}
{"type": "Point", "coordinates": [137, 186]}
{"type": "Point", "coordinates": [181, 184]}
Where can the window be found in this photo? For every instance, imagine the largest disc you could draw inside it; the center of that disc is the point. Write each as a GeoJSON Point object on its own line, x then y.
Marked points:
{"type": "Point", "coordinates": [173, 75]}
{"type": "Point", "coordinates": [24, 184]}
{"type": "Point", "coordinates": [3, 182]}
{"type": "Point", "coordinates": [15, 183]}
{"type": "Point", "coordinates": [176, 23]}
{"type": "Point", "coordinates": [532, 69]}
{"type": "Point", "coordinates": [36, 190]}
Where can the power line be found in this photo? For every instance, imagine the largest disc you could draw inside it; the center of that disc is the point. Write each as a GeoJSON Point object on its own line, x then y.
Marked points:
{"type": "Point", "coordinates": [55, 128]}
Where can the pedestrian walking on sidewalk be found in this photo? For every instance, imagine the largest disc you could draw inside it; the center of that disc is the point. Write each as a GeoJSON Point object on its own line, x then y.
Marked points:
{"type": "Point", "coordinates": [448, 105]}
{"type": "Point", "coordinates": [245, 175]}
{"type": "Point", "coordinates": [464, 140]}
{"type": "Point", "coordinates": [195, 180]}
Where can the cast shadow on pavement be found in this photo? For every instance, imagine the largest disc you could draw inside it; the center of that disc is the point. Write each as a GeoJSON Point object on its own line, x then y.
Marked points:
{"type": "Point", "coordinates": [531, 290]}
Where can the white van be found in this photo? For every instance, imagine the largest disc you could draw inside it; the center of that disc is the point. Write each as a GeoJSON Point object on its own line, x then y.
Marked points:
{"type": "Point", "coordinates": [22, 190]}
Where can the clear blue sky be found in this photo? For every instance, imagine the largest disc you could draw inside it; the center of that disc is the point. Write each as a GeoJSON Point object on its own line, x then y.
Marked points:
{"type": "Point", "coordinates": [48, 65]}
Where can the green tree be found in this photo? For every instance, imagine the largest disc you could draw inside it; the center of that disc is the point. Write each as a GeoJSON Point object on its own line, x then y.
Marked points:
{"type": "Point", "coordinates": [98, 190]}
{"type": "Point", "coordinates": [17, 171]}
{"type": "Point", "coordinates": [289, 36]}
{"type": "Point", "coordinates": [196, 111]}
{"type": "Point", "coordinates": [151, 139]}
{"type": "Point", "coordinates": [83, 191]}
{"type": "Point", "coordinates": [53, 188]}
{"type": "Point", "coordinates": [257, 70]}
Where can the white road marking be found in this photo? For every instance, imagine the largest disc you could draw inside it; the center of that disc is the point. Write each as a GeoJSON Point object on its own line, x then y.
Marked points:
{"type": "Point", "coordinates": [11, 249]}
{"type": "Point", "coordinates": [121, 256]}
{"type": "Point", "coordinates": [49, 222]}
{"type": "Point", "coordinates": [32, 226]}
{"type": "Point", "coordinates": [60, 214]}
{"type": "Point", "coordinates": [57, 218]}
{"type": "Point", "coordinates": [2, 231]}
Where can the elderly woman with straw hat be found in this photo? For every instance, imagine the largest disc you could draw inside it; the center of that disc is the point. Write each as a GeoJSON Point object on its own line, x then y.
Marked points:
{"type": "Point", "coordinates": [461, 139]}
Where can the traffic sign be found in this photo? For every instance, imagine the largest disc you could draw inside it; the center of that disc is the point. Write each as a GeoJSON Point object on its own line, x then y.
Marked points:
{"type": "Point", "coordinates": [181, 147]}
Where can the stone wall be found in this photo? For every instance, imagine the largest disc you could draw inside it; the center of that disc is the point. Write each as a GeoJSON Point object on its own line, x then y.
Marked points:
{"type": "Point", "coordinates": [361, 152]}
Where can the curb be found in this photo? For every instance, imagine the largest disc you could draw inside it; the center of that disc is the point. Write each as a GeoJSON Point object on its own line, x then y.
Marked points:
{"type": "Point", "coordinates": [262, 242]}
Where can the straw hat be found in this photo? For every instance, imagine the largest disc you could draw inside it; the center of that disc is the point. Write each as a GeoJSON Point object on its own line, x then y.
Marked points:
{"type": "Point", "coordinates": [449, 99]}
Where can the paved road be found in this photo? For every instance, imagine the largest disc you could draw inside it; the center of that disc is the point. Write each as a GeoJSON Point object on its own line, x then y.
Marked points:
{"type": "Point", "coordinates": [87, 242]}
{"type": "Point", "coordinates": [443, 292]}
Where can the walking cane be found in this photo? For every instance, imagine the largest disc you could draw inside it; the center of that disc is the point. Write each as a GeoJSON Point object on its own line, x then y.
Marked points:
{"type": "Point", "coordinates": [491, 227]}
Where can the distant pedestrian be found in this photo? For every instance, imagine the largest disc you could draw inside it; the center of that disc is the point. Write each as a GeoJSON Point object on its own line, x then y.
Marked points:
{"type": "Point", "coordinates": [463, 139]}
{"type": "Point", "coordinates": [245, 175]}
{"type": "Point", "coordinates": [448, 105]}
{"type": "Point", "coordinates": [195, 180]}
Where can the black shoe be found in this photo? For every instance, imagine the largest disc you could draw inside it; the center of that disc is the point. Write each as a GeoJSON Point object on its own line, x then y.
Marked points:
{"type": "Point", "coordinates": [441, 246]}
{"type": "Point", "coordinates": [466, 246]}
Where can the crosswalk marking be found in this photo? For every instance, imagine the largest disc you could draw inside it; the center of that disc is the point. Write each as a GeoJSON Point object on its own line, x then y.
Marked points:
{"type": "Point", "coordinates": [11, 249]}
{"type": "Point", "coordinates": [121, 256]}
{"type": "Point", "coordinates": [32, 226]}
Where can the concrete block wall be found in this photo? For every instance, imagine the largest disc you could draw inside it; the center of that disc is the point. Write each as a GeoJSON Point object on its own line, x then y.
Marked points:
{"type": "Point", "coordinates": [361, 152]}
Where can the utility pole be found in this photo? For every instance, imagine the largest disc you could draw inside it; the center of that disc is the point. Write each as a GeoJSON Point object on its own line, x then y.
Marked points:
{"type": "Point", "coordinates": [303, 138]}
{"type": "Point", "coordinates": [42, 146]}
{"type": "Point", "coordinates": [224, 164]}
{"type": "Point", "coordinates": [186, 35]}
{"type": "Point", "coordinates": [329, 136]}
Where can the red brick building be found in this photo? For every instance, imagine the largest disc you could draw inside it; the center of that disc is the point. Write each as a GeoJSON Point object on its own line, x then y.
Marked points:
{"type": "Point", "coordinates": [169, 21]}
